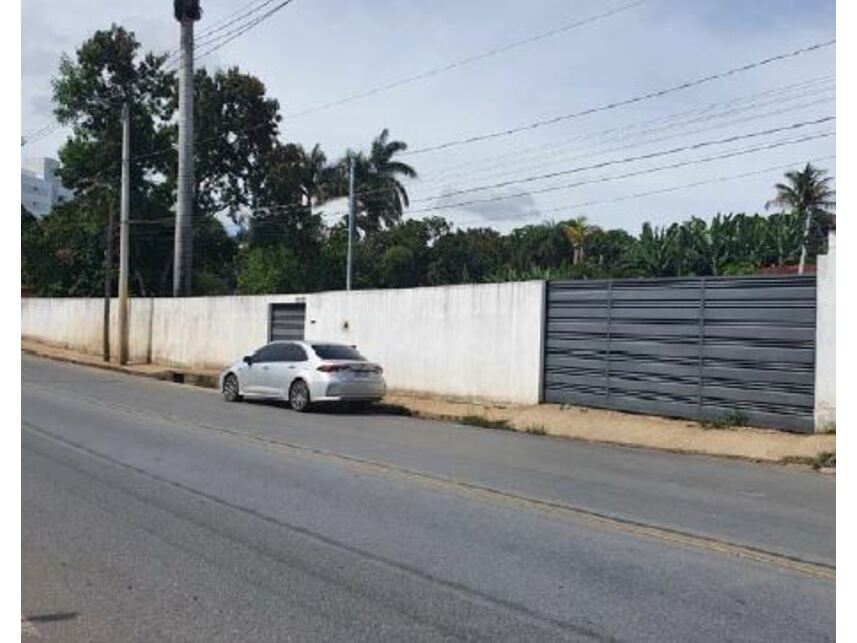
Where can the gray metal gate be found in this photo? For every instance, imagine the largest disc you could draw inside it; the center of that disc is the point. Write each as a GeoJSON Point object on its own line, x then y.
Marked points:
{"type": "Point", "coordinates": [286, 321]}
{"type": "Point", "coordinates": [701, 348]}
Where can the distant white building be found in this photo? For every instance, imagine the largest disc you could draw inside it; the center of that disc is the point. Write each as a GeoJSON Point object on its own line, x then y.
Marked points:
{"type": "Point", "coordinates": [41, 189]}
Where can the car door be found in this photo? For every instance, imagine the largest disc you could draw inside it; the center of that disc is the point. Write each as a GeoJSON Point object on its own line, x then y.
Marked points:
{"type": "Point", "coordinates": [256, 375]}
{"type": "Point", "coordinates": [283, 368]}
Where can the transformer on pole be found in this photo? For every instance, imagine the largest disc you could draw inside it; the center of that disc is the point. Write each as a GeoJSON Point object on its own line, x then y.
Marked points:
{"type": "Point", "coordinates": [186, 12]}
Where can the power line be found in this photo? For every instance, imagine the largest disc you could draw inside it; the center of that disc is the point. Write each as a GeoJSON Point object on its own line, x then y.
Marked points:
{"type": "Point", "coordinates": [42, 133]}
{"type": "Point", "coordinates": [640, 157]}
{"type": "Point", "coordinates": [596, 150]}
{"type": "Point", "coordinates": [225, 22]}
{"type": "Point", "coordinates": [607, 163]}
{"type": "Point", "coordinates": [747, 103]}
{"type": "Point", "coordinates": [556, 119]}
{"type": "Point", "coordinates": [673, 188]}
{"type": "Point", "coordinates": [664, 190]}
{"type": "Point", "coordinates": [706, 159]}
{"type": "Point", "coordinates": [803, 86]}
{"type": "Point", "coordinates": [622, 103]}
{"type": "Point", "coordinates": [263, 223]}
{"type": "Point", "coordinates": [465, 61]}
{"type": "Point", "coordinates": [225, 38]}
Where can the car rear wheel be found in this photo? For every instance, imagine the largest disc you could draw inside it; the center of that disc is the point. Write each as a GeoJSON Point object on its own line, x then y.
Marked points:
{"type": "Point", "coordinates": [230, 388]}
{"type": "Point", "coordinates": [299, 396]}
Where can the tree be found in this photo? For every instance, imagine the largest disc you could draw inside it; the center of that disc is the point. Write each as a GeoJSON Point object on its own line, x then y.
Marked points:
{"type": "Point", "coordinates": [577, 231]}
{"type": "Point", "coordinates": [705, 248]}
{"type": "Point", "coordinates": [809, 197]}
{"type": "Point", "coordinates": [655, 251]}
{"type": "Point", "coordinates": [235, 136]}
{"type": "Point", "coordinates": [610, 250]}
{"type": "Point", "coordinates": [381, 196]}
{"type": "Point", "coordinates": [465, 256]}
{"type": "Point", "coordinates": [543, 245]}
{"type": "Point", "coordinates": [88, 94]}
{"type": "Point", "coordinates": [70, 253]}
{"type": "Point", "coordinates": [31, 248]}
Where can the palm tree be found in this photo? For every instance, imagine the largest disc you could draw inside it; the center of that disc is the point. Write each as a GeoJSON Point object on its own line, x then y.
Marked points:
{"type": "Point", "coordinates": [380, 193]}
{"type": "Point", "coordinates": [577, 231]}
{"type": "Point", "coordinates": [807, 193]}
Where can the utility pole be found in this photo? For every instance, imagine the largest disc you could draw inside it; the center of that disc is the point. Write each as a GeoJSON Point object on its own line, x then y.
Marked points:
{"type": "Point", "coordinates": [350, 220]}
{"type": "Point", "coordinates": [186, 12]}
{"type": "Point", "coordinates": [124, 229]}
{"type": "Point", "coordinates": [108, 281]}
{"type": "Point", "coordinates": [806, 226]}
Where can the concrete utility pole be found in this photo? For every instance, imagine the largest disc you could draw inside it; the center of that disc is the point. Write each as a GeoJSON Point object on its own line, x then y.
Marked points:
{"type": "Point", "coordinates": [108, 282]}
{"type": "Point", "coordinates": [186, 12]}
{"type": "Point", "coordinates": [124, 229]}
{"type": "Point", "coordinates": [351, 214]}
{"type": "Point", "coordinates": [806, 226]}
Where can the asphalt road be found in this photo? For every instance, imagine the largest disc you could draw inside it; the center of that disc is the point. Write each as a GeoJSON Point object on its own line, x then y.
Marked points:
{"type": "Point", "coordinates": [154, 511]}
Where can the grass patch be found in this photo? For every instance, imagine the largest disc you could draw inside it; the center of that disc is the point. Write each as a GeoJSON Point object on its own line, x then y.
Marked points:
{"type": "Point", "coordinates": [486, 423]}
{"type": "Point", "coordinates": [536, 429]}
{"type": "Point", "coordinates": [730, 420]}
{"type": "Point", "coordinates": [825, 460]}
{"type": "Point", "coordinates": [829, 428]}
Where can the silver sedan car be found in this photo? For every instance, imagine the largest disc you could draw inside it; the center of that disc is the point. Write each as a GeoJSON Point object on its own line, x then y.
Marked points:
{"type": "Point", "coordinates": [304, 373]}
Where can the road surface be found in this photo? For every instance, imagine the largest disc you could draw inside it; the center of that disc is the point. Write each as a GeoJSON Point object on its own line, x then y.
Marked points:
{"type": "Point", "coordinates": [154, 511]}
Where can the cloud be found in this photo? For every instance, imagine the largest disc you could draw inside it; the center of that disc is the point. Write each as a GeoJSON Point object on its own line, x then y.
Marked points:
{"type": "Point", "coordinates": [504, 207]}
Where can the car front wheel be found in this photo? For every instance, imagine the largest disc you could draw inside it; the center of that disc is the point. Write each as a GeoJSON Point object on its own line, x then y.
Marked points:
{"type": "Point", "coordinates": [230, 388]}
{"type": "Point", "coordinates": [299, 396]}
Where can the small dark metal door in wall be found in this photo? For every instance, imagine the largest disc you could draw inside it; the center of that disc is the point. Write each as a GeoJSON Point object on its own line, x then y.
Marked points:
{"type": "Point", "coordinates": [701, 348]}
{"type": "Point", "coordinates": [286, 321]}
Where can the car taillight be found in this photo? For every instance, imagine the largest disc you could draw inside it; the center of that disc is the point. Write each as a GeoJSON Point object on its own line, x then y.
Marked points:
{"type": "Point", "coordinates": [331, 368]}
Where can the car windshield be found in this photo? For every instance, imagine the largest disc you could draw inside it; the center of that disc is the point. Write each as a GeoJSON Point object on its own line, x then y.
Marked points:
{"type": "Point", "coordinates": [337, 351]}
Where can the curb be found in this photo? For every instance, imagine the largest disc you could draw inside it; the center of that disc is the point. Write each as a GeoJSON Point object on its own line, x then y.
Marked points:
{"type": "Point", "coordinates": [176, 376]}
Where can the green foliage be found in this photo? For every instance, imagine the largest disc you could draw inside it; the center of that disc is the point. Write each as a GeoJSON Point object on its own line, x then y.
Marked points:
{"type": "Point", "coordinates": [267, 269]}
{"type": "Point", "coordinates": [729, 420]}
{"type": "Point", "coordinates": [68, 260]}
{"type": "Point", "coordinates": [536, 429]}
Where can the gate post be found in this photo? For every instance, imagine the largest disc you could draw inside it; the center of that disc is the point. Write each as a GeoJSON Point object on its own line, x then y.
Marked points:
{"type": "Point", "coordinates": [701, 347]}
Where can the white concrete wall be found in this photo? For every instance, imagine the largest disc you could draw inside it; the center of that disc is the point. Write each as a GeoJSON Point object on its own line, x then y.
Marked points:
{"type": "Point", "coordinates": [825, 339]}
{"type": "Point", "coordinates": [474, 341]}
{"type": "Point", "coordinates": [210, 332]}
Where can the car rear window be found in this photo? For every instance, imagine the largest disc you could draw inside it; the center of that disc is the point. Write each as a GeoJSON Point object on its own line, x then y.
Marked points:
{"type": "Point", "coordinates": [337, 351]}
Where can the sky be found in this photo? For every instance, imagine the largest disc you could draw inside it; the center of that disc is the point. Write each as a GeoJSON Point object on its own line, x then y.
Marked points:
{"type": "Point", "coordinates": [313, 52]}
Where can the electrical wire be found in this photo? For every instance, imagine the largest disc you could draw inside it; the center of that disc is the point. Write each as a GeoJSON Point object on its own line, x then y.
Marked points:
{"type": "Point", "coordinates": [465, 61]}
{"type": "Point", "coordinates": [664, 190]}
{"type": "Point", "coordinates": [748, 103]}
{"type": "Point", "coordinates": [622, 103]}
{"type": "Point", "coordinates": [596, 150]}
{"type": "Point", "coordinates": [707, 159]}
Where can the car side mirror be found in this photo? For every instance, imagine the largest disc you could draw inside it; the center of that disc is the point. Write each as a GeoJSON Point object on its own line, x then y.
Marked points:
{"type": "Point", "coordinates": [248, 360]}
